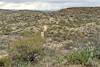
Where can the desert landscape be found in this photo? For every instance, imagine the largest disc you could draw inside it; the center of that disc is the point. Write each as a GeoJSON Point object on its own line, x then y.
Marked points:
{"type": "Point", "coordinates": [68, 37]}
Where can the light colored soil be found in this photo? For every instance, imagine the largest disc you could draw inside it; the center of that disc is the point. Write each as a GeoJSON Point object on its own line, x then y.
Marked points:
{"type": "Point", "coordinates": [75, 66]}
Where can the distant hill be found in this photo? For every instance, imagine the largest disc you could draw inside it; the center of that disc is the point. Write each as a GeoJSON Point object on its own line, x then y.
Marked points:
{"type": "Point", "coordinates": [79, 10]}
{"type": "Point", "coordinates": [72, 10]}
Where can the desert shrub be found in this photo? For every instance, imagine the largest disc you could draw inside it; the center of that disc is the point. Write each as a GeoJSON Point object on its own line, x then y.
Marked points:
{"type": "Point", "coordinates": [5, 62]}
{"type": "Point", "coordinates": [23, 64]}
{"type": "Point", "coordinates": [27, 49]}
{"type": "Point", "coordinates": [27, 33]}
{"type": "Point", "coordinates": [97, 53]}
{"type": "Point", "coordinates": [81, 56]}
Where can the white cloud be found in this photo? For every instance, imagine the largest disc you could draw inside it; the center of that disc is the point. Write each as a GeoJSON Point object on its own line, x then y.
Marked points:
{"type": "Point", "coordinates": [29, 6]}
{"type": "Point", "coordinates": [66, 1]}
{"type": "Point", "coordinates": [40, 5]}
{"type": "Point", "coordinates": [34, 5]}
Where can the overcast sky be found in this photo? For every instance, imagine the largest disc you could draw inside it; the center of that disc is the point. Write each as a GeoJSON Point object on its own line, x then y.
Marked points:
{"type": "Point", "coordinates": [46, 4]}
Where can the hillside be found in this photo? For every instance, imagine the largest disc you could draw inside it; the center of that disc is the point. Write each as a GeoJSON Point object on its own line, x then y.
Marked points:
{"type": "Point", "coordinates": [17, 22]}
{"type": "Point", "coordinates": [67, 29]}
{"type": "Point", "coordinates": [80, 10]}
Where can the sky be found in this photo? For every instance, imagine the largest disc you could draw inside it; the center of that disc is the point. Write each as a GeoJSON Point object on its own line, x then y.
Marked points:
{"type": "Point", "coordinates": [46, 4]}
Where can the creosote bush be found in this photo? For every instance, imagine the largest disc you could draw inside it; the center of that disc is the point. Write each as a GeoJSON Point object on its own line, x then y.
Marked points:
{"type": "Point", "coordinates": [27, 49]}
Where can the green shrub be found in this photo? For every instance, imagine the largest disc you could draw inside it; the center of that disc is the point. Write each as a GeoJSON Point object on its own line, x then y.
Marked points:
{"type": "Point", "coordinates": [27, 33]}
{"type": "Point", "coordinates": [27, 49]}
{"type": "Point", "coordinates": [81, 56]}
{"type": "Point", "coordinates": [5, 62]}
{"type": "Point", "coordinates": [97, 53]}
{"type": "Point", "coordinates": [23, 64]}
